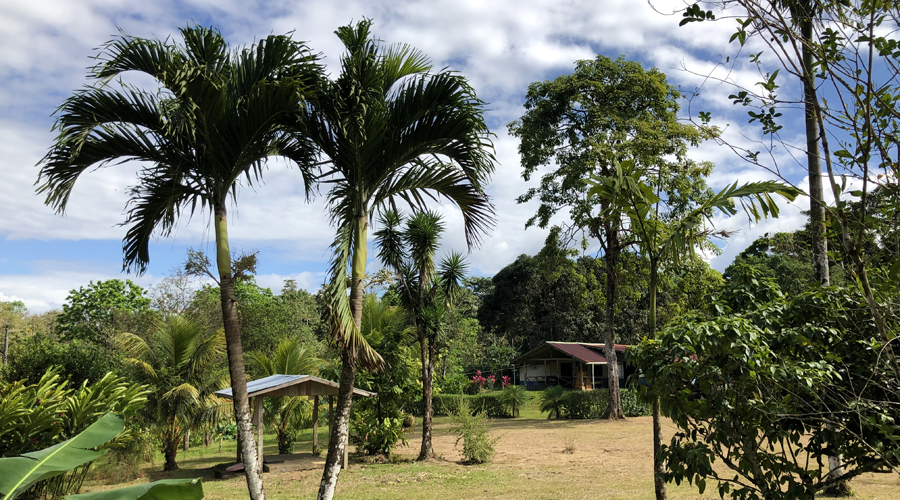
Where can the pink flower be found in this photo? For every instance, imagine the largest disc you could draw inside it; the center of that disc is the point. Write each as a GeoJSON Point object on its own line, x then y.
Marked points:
{"type": "Point", "coordinates": [506, 380]}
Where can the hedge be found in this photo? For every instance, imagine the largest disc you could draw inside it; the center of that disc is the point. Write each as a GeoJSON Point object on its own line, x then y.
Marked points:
{"type": "Point", "coordinates": [593, 404]}
{"type": "Point", "coordinates": [489, 403]}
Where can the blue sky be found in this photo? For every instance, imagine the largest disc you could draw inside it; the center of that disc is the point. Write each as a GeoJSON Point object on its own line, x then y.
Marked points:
{"type": "Point", "coordinates": [501, 45]}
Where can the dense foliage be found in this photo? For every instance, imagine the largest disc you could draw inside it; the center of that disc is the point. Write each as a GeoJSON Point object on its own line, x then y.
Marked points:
{"type": "Point", "coordinates": [771, 387]}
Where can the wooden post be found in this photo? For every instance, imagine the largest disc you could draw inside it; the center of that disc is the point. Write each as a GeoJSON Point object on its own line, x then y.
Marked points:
{"type": "Point", "coordinates": [260, 427]}
{"type": "Point", "coordinates": [315, 423]}
{"type": "Point", "coordinates": [345, 460]}
{"type": "Point", "coordinates": [330, 418]}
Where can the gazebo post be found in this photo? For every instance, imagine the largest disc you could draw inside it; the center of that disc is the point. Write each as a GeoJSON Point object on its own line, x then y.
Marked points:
{"type": "Point", "coordinates": [346, 451]}
{"type": "Point", "coordinates": [315, 422]}
{"type": "Point", "coordinates": [330, 417]}
{"type": "Point", "coordinates": [260, 427]}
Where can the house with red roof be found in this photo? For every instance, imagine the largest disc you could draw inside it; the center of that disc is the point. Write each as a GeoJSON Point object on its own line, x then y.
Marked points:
{"type": "Point", "coordinates": [573, 365]}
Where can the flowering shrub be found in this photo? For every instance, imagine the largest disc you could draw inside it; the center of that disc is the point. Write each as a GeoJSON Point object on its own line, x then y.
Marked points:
{"type": "Point", "coordinates": [506, 381]}
{"type": "Point", "coordinates": [479, 380]}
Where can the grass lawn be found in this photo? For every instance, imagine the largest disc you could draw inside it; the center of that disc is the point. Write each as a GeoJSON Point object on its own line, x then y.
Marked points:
{"type": "Point", "coordinates": [608, 460]}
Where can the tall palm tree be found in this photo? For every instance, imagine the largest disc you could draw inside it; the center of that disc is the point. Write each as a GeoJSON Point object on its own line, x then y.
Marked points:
{"type": "Point", "coordinates": [286, 414]}
{"type": "Point", "coordinates": [179, 361]}
{"type": "Point", "coordinates": [425, 290]}
{"type": "Point", "coordinates": [212, 120]}
{"type": "Point", "coordinates": [391, 130]}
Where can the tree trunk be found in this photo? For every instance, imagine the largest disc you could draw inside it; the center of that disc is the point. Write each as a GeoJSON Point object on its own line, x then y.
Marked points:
{"type": "Point", "coordinates": [816, 195]}
{"type": "Point", "coordinates": [340, 429]}
{"type": "Point", "coordinates": [236, 359]}
{"type": "Point", "coordinates": [170, 451]}
{"type": "Point", "coordinates": [659, 484]}
{"type": "Point", "coordinates": [186, 441]}
{"type": "Point", "coordinates": [609, 335]}
{"type": "Point", "coordinates": [427, 451]}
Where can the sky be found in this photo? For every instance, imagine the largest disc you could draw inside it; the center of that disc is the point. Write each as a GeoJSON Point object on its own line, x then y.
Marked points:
{"type": "Point", "coordinates": [500, 45]}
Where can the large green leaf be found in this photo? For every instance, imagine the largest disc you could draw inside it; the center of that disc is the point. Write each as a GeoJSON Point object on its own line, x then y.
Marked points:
{"type": "Point", "coordinates": [19, 473]}
{"type": "Point", "coordinates": [167, 489]}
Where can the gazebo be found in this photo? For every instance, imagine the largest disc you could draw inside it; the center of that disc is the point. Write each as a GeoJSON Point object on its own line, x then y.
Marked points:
{"type": "Point", "coordinates": [287, 386]}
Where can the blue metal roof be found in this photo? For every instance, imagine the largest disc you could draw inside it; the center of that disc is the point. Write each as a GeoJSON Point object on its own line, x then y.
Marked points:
{"type": "Point", "coordinates": [273, 382]}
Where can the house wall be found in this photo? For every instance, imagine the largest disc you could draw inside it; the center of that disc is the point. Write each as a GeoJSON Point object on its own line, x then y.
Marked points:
{"type": "Point", "coordinates": [539, 370]}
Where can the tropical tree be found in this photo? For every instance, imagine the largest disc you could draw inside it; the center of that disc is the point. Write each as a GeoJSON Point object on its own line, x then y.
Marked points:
{"type": "Point", "coordinates": [179, 361]}
{"type": "Point", "coordinates": [583, 124]}
{"type": "Point", "coordinates": [425, 291]}
{"type": "Point", "coordinates": [676, 233]}
{"type": "Point", "coordinates": [286, 414]}
{"type": "Point", "coordinates": [391, 130]}
{"type": "Point", "coordinates": [212, 120]}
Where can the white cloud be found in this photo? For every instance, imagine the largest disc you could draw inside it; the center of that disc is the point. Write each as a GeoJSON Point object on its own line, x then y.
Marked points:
{"type": "Point", "coordinates": [502, 46]}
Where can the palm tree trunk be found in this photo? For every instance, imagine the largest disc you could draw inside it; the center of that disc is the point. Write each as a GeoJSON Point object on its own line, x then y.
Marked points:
{"type": "Point", "coordinates": [659, 484]}
{"type": "Point", "coordinates": [426, 451]}
{"type": "Point", "coordinates": [170, 452]}
{"type": "Point", "coordinates": [236, 358]}
{"type": "Point", "coordinates": [341, 427]}
{"type": "Point", "coordinates": [614, 412]}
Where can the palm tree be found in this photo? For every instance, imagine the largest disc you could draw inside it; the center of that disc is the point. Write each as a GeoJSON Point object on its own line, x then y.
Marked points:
{"type": "Point", "coordinates": [425, 291]}
{"type": "Point", "coordinates": [213, 119]}
{"type": "Point", "coordinates": [391, 130]}
{"type": "Point", "coordinates": [286, 414]}
{"type": "Point", "coordinates": [551, 400]}
{"type": "Point", "coordinates": [627, 194]}
{"type": "Point", "coordinates": [179, 362]}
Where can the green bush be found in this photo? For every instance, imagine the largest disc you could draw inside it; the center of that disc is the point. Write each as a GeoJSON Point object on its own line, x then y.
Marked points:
{"type": "Point", "coordinates": [489, 403]}
{"type": "Point", "coordinates": [473, 430]}
{"type": "Point", "coordinates": [77, 361]}
{"type": "Point", "coordinates": [375, 435]}
{"type": "Point", "coordinates": [633, 405]}
{"type": "Point", "coordinates": [578, 405]}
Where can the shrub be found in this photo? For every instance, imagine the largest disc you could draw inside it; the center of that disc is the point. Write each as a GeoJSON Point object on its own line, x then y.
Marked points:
{"type": "Point", "coordinates": [474, 432]}
{"type": "Point", "coordinates": [490, 403]}
{"type": "Point", "coordinates": [593, 404]}
{"type": "Point", "coordinates": [633, 404]}
{"type": "Point", "coordinates": [77, 361]}
{"type": "Point", "coordinates": [580, 405]}
{"type": "Point", "coordinates": [376, 435]}
{"type": "Point", "coordinates": [513, 398]}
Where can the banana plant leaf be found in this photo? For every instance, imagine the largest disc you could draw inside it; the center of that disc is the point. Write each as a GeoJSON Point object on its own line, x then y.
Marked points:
{"type": "Point", "coordinates": [19, 473]}
{"type": "Point", "coordinates": [166, 489]}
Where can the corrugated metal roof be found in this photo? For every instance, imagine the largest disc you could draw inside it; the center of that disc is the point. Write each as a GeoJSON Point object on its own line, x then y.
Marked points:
{"type": "Point", "coordinates": [275, 382]}
{"type": "Point", "coordinates": [586, 352]}
{"type": "Point", "coordinates": [579, 351]}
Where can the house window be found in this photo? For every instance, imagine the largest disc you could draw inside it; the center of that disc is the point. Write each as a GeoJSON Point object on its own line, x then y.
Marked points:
{"type": "Point", "coordinates": [565, 370]}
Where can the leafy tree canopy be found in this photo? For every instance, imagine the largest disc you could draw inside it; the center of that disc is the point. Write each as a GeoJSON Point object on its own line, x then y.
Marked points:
{"type": "Point", "coordinates": [98, 311]}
